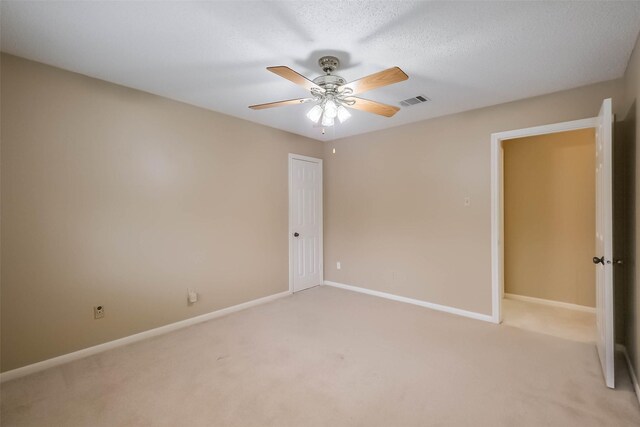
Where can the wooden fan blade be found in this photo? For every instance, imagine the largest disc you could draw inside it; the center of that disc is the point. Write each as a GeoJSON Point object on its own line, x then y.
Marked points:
{"type": "Point", "coordinates": [280, 103]}
{"type": "Point", "coordinates": [374, 81]}
{"type": "Point", "coordinates": [294, 77]}
{"type": "Point", "coordinates": [374, 107]}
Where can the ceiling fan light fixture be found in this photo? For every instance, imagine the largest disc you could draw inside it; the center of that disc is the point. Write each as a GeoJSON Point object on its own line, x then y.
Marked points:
{"type": "Point", "coordinates": [327, 121]}
{"type": "Point", "coordinates": [343, 114]}
{"type": "Point", "coordinates": [315, 113]}
{"type": "Point", "coordinates": [330, 109]}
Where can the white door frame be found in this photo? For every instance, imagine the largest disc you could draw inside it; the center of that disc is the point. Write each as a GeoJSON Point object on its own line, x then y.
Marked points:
{"type": "Point", "coordinates": [320, 215]}
{"type": "Point", "coordinates": [497, 199]}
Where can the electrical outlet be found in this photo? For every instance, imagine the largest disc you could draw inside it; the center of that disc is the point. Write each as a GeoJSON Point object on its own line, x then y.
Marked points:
{"type": "Point", "coordinates": [338, 266]}
{"type": "Point", "coordinates": [192, 296]}
{"type": "Point", "coordinates": [98, 311]}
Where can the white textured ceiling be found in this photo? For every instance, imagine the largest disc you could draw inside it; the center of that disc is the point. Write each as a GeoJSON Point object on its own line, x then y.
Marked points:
{"type": "Point", "coordinates": [213, 54]}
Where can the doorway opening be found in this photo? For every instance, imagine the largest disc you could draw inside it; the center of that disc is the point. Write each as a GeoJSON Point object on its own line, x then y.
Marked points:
{"type": "Point", "coordinates": [549, 222]}
{"type": "Point", "coordinates": [602, 233]}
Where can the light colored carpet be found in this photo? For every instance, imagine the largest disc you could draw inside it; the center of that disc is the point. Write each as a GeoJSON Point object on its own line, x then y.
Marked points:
{"type": "Point", "coordinates": [557, 321]}
{"type": "Point", "coordinates": [329, 357]}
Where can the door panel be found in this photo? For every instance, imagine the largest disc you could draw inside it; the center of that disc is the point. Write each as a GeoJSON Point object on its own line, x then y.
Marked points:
{"type": "Point", "coordinates": [604, 243]}
{"type": "Point", "coordinates": [306, 222]}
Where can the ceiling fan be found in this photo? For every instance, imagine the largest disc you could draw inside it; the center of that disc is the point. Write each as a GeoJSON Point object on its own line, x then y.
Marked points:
{"type": "Point", "coordinates": [332, 93]}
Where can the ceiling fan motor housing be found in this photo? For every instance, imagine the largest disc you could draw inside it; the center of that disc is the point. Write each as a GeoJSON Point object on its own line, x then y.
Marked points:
{"type": "Point", "coordinates": [329, 82]}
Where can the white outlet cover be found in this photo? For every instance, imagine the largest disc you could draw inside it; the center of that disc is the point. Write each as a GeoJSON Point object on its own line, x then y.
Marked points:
{"type": "Point", "coordinates": [193, 296]}
{"type": "Point", "coordinates": [98, 312]}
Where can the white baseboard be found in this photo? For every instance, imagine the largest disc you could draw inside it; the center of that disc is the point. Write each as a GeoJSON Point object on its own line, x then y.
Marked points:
{"type": "Point", "coordinates": [433, 306]}
{"type": "Point", "coordinates": [85, 352]}
{"type": "Point", "coordinates": [632, 372]}
{"type": "Point", "coordinates": [551, 303]}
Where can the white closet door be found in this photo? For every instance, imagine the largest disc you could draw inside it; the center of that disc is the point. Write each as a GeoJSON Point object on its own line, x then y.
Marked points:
{"type": "Point", "coordinates": [305, 222]}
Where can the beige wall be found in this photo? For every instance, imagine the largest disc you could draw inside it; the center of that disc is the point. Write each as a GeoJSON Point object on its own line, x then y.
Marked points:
{"type": "Point", "coordinates": [394, 199]}
{"type": "Point", "coordinates": [549, 216]}
{"type": "Point", "coordinates": [631, 114]}
{"type": "Point", "coordinates": [117, 197]}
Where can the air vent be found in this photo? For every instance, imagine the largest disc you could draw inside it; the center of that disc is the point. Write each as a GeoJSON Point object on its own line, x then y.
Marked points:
{"type": "Point", "coordinates": [413, 101]}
